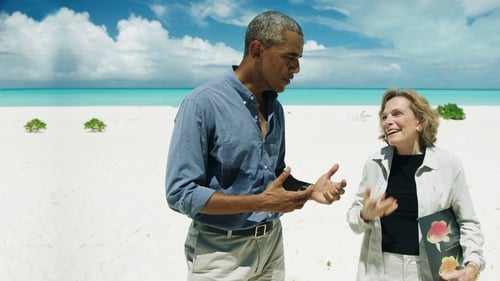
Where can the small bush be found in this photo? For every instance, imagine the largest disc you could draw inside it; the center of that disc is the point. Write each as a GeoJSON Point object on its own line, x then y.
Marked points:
{"type": "Point", "coordinates": [35, 126]}
{"type": "Point", "coordinates": [94, 125]}
{"type": "Point", "coordinates": [451, 111]}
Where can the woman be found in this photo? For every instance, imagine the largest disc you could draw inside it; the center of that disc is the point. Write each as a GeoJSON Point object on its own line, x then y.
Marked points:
{"type": "Point", "coordinates": [405, 180]}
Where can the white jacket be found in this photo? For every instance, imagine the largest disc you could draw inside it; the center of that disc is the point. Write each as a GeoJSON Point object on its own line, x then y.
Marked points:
{"type": "Point", "coordinates": [440, 184]}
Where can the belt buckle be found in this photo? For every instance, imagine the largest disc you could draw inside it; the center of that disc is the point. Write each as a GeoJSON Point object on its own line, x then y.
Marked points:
{"type": "Point", "coordinates": [260, 230]}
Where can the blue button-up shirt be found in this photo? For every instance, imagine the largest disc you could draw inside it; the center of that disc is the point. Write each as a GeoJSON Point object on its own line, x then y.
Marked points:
{"type": "Point", "coordinates": [217, 146]}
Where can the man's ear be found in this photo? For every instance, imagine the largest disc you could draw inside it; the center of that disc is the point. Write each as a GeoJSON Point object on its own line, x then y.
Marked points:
{"type": "Point", "coordinates": [255, 48]}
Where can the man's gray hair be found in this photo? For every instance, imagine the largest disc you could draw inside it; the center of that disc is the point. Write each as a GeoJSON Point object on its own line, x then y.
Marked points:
{"type": "Point", "coordinates": [270, 29]}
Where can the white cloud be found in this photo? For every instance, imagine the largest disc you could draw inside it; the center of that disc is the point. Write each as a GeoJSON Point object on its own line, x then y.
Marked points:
{"type": "Point", "coordinates": [430, 44]}
{"type": "Point", "coordinates": [394, 66]}
{"type": "Point", "coordinates": [311, 45]}
{"type": "Point", "coordinates": [475, 8]}
{"type": "Point", "coordinates": [223, 11]}
{"type": "Point", "coordinates": [158, 9]}
{"type": "Point", "coordinates": [60, 46]}
{"type": "Point", "coordinates": [67, 47]}
{"type": "Point", "coordinates": [342, 67]}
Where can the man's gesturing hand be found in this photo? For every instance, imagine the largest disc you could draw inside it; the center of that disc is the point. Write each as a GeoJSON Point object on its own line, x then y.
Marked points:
{"type": "Point", "coordinates": [277, 199]}
{"type": "Point", "coordinates": [326, 191]}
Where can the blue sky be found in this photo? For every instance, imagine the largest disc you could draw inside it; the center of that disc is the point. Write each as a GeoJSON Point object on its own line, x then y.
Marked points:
{"type": "Point", "coordinates": [159, 43]}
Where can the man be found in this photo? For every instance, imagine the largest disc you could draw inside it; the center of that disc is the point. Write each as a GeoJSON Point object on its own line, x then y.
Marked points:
{"type": "Point", "coordinates": [226, 166]}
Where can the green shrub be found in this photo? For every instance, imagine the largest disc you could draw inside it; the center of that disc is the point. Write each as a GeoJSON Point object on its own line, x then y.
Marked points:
{"type": "Point", "coordinates": [35, 126]}
{"type": "Point", "coordinates": [94, 125]}
{"type": "Point", "coordinates": [451, 111]}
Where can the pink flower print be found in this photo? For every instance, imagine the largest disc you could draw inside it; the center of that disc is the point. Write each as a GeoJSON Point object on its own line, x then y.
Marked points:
{"type": "Point", "coordinates": [438, 232]}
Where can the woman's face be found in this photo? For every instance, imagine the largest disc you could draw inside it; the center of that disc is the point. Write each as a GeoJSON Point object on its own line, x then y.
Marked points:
{"type": "Point", "coordinates": [401, 127]}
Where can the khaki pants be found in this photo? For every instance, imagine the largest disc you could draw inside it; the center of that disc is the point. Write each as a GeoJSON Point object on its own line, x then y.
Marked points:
{"type": "Point", "coordinates": [213, 256]}
{"type": "Point", "coordinates": [400, 267]}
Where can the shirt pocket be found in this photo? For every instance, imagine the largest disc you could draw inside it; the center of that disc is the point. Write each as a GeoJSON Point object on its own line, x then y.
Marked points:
{"type": "Point", "coordinates": [441, 194]}
{"type": "Point", "coordinates": [236, 160]}
{"type": "Point", "coordinates": [435, 197]}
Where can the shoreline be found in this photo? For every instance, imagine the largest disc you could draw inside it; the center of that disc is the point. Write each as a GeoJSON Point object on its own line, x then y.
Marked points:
{"type": "Point", "coordinates": [76, 97]}
{"type": "Point", "coordinates": [91, 206]}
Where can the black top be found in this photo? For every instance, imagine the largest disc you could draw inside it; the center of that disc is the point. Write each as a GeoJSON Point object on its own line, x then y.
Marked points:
{"type": "Point", "coordinates": [400, 229]}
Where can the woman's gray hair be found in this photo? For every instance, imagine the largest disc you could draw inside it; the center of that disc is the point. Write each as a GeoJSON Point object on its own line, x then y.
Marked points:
{"type": "Point", "coordinates": [270, 29]}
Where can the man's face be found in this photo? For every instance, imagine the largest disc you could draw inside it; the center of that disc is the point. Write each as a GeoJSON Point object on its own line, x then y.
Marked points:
{"type": "Point", "coordinates": [281, 62]}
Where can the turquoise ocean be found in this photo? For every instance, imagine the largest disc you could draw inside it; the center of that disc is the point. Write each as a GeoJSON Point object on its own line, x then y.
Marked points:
{"type": "Point", "coordinates": [174, 96]}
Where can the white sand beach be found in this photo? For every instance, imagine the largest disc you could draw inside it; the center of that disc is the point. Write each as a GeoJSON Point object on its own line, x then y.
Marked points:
{"type": "Point", "coordinates": [84, 206]}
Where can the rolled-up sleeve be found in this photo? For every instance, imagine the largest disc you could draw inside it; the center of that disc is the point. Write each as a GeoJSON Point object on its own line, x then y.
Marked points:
{"type": "Point", "coordinates": [185, 180]}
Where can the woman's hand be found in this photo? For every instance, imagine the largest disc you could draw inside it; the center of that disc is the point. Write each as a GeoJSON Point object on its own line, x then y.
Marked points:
{"type": "Point", "coordinates": [377, 207]}
{"type": "Point", "coordinates": [468, 273]}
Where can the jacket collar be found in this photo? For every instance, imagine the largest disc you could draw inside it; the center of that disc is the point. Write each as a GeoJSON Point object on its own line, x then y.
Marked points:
{"type": "Point", "coordinates": [385, 155]}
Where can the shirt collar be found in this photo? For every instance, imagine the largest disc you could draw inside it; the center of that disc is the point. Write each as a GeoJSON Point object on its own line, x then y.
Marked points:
{"type": "Point", "coordinates": [245, 94]}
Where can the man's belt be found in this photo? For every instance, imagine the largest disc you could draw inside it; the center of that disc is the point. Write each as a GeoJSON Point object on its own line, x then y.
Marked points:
{"type": "Point", "coordinates": [259, 230]}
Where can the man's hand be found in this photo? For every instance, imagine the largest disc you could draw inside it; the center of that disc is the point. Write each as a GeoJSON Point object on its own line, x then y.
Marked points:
{"type": "Point", "coordinates": [377, 207]}
{"type": "Point", "coordinates": [326, 191]}
{"type": "Point", "coordinates": [277, 199]}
